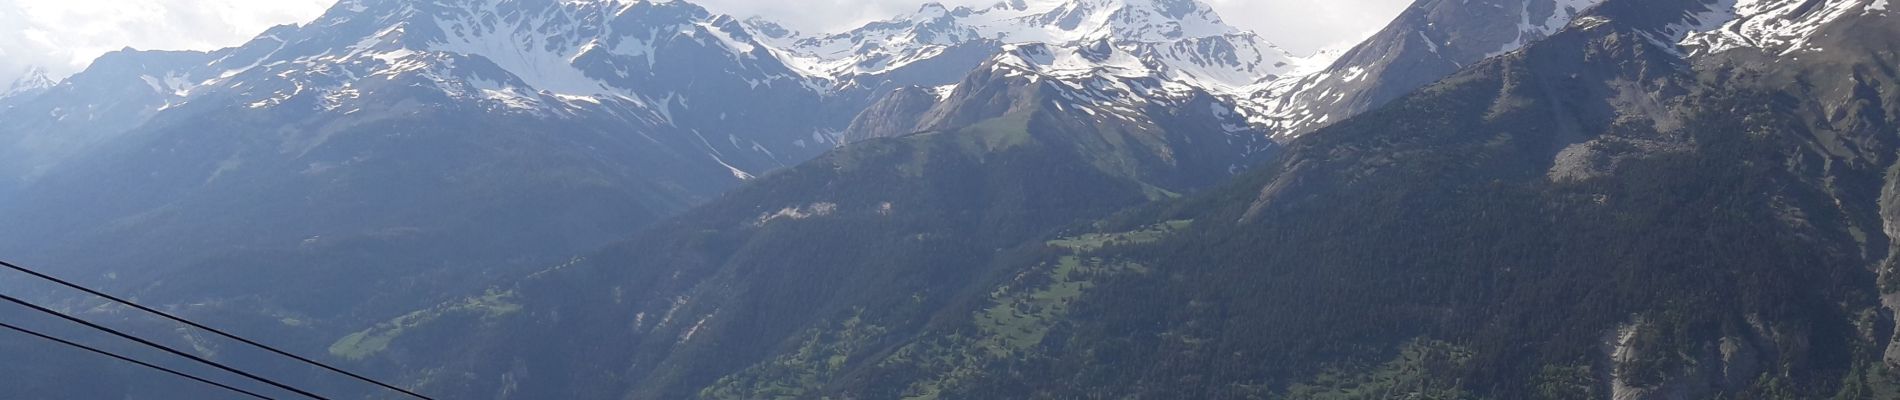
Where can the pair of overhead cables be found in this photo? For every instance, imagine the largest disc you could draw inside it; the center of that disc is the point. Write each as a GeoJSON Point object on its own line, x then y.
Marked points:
{"type": "Point", "coordinates": [173, 351]}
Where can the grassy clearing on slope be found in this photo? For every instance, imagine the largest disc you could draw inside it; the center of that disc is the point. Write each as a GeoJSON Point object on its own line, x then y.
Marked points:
{"type": "Point", "coordinates": [792, 376]}
{"type": "Point", "coordinates": [1001, 133]}
{"type": "Point", "coordinates": [1096, 241]}
{"type": "Point", "coordinates": [1024, 312]}
{"type": "Point", "coordinates": [1409, 376]}
{"type": "Point", "coordinates": [369, 342]}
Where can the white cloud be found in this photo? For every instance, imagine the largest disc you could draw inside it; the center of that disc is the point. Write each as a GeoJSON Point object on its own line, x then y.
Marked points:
{"type": "Point", "coordinates": [63, 36]}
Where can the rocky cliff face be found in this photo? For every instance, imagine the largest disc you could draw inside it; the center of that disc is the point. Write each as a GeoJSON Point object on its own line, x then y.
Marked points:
{"type": "Point", "coordinates": [897, 114]}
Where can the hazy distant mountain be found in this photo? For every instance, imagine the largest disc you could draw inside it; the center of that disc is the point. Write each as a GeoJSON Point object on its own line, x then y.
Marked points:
{"type": "Point", "coordinates": [30, 82]}
{"type": "Point", "coordinates": [467, 137]}
{"type": "Point", "coordinates": [501, 124]}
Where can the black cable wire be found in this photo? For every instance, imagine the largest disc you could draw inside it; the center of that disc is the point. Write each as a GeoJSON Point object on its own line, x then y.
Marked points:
{"type": "Point", "coordinates": [130, 360]}
{"type": "Point", "coordinates": [182, 320]}
{"type": "Point", "coordinates": [155, 345]}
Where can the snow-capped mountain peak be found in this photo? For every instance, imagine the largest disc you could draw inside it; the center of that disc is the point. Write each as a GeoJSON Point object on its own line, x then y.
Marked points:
{"type": "Point", "coordinates": [656, 68]}
{"type": "Point", "coordinates": [1100, 57]}
{"type": "Point", "coordinates": [647, 66]}
{"type": "Point", "coordinates": [1183, 39]}
{"type": "Point", "coordinates": [1538, 19]}
{"type": "Point", "coordinates": [1093, 75]}
{"type": "Point", "coordinates": [1062, 21]}
{"type": "Point", "coordinates": [528, 55]}
{"type": "Point", "coordinates": [34, 79]}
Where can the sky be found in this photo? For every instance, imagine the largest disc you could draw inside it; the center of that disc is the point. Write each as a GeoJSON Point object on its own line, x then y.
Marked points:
{"type": "Point", "coordinates": [63, 36]}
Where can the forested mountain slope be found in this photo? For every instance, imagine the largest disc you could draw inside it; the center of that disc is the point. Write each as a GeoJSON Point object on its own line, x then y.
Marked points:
{"type": "Point", "coordinates": [1608, 213]}
{"type": "Point", "coordinates": [1592, 217]}
{"type": "Point", "coordinates": [900, 227]}
{"type": "Point", "coordinates": [1627, 199]}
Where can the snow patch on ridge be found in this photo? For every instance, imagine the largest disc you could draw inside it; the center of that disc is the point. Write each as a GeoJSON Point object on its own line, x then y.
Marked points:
{"type": "Point", "coordinates": [1528, 31]}
{"type": "Point", "coordinates": [1779, 27]}
{"type": "Point", "coordinates": [1187, 35]}
{"type": "Point", "coordinates": [174, 84]}
{"type": "Point", "coordinates": [540, 51]}
{"type": "Point", "coordinates": [820, 209]}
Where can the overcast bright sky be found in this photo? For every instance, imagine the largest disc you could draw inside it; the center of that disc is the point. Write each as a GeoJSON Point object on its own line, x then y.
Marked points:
{"type": "Point", "coordinates": [63, 36]}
